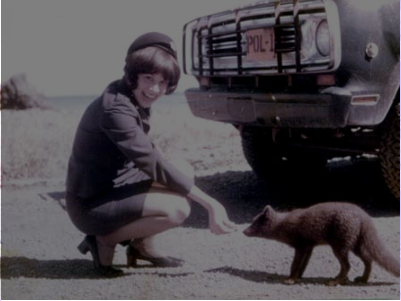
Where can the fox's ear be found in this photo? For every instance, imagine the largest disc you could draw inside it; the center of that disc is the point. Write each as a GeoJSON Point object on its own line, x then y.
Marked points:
{"type": "Point", "coordinates": [267, 211]}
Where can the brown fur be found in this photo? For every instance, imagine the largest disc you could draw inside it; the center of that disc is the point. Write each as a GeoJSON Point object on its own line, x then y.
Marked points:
{"type": "Point", "coordinates": [345, 227]}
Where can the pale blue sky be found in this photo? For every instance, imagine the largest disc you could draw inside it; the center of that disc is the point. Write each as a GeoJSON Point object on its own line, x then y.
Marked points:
{"type": "Point", "coordinates": [76, 47]}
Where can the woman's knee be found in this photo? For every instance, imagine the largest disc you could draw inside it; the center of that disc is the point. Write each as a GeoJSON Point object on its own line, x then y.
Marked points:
{"type": "Point", "coordinates": [178, 210]}
{"type": "Point", "coordinates": [174, 207]}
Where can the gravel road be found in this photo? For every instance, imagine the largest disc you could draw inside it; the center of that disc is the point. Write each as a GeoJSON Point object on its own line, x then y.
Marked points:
{"type": "Point", "coordinates": [40, 259]}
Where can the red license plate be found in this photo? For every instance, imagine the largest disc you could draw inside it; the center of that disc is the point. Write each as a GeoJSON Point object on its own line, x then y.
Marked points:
{"type": "Point", "coordinates": [260, 44]}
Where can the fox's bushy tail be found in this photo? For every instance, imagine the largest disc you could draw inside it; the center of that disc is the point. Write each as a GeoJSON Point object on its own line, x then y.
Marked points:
{"type": "Point", "coordinates": [372, 243]}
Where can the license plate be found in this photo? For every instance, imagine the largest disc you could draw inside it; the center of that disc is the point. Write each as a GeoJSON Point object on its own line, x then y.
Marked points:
{"type": "Point", "coordinates": [260, 44]}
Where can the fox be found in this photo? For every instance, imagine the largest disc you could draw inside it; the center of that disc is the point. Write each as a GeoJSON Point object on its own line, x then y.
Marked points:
{"type": "Point", "coordinates": [344, 226]}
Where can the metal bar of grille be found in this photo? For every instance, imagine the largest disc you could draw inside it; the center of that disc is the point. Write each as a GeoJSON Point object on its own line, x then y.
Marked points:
{"type": "Point", "coordinates": [225, 22]}
{"type": "Point", "coordinates": [277, 34]}
{"type": "Point", "coordinates": [229, 39]}
{"type": "Point", "coordinates": [216, 35]}
{"type": "Point", "coordinates": [297, 36]}
{"type": "Point", "coordinates": [224, 54]}
{"type": "Point", "coordinates": [184, 60]}
{"type": "Point", "coordinates": [210, 45]}
{"type": "Point", "coordinates": [229, 51]}
{"type": "Point", "coordinates": [257, 16]}
{"type": "Point", "coordinates": [239, 48]}
{"type": "Point", "coordinates": [192, 50]}
{"type": "Point", "coordinates": [200, 61]}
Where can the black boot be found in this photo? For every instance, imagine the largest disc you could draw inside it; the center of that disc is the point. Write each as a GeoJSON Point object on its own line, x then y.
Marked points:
{"type": "Point", "coordinates": [137, 250]}
{"type": "Point", "coordinates": [90, 244]}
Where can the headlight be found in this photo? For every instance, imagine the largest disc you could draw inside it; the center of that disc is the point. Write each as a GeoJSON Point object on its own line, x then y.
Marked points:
{"type": "Point", "coordinates": [323, 38]}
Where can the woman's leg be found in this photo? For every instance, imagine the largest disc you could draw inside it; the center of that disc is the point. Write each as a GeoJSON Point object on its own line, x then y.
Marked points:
{"type": "Point", "coordinates": [162, 210]}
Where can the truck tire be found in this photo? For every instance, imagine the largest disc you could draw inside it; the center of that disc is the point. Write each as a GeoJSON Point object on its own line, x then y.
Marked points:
{"type": "Point", "coordinates": [260, 151]}
{"type": "Point", "coordinates": [273, 161]}
{"type": "Point", "coordinates": [390, 151]}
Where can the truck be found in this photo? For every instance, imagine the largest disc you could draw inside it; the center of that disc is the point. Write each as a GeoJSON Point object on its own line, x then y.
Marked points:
{"type": "Point", "coordinates": [304, 81]}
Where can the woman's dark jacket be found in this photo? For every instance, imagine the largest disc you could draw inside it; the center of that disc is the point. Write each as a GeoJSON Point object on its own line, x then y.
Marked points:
{"type": "Point", "coordinates": [112, 148]}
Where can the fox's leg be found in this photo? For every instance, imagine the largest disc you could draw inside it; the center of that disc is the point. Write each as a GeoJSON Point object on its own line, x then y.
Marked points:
{"type": "Point", "coordinates": [301, 259]}
{"type": "Point", "coordinates": [368, 266]}
{"type": "Point", "coordinates": [305, 260]}
{"type": "Point", "coordinates": [342, 255]}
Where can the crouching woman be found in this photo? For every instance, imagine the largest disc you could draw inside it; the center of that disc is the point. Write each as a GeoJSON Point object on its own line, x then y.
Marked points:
{"type": "Point", "coordinates": [120, 189]}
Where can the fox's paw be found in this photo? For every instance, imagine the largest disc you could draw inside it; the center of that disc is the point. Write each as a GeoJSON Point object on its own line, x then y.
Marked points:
{"type": "Point", "coordinates": [332, 282]}
{"type": "Point", "coordinates": [289, 281]}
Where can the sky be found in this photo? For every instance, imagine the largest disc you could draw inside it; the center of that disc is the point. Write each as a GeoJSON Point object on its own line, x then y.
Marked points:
{"type": "Point", "coordinates": [77, 47]}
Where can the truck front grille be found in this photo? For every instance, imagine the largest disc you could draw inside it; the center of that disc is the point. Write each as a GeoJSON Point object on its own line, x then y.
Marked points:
{"type": "Point", "coordinates": [229, 43]}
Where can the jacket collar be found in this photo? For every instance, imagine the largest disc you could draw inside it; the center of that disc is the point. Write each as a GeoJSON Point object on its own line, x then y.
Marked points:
{"type": "Point", "coordinates": [125, 89]}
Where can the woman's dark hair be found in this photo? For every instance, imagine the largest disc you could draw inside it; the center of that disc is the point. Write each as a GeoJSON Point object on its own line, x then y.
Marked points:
{"type": "Point", "coordinates": [152, 60]}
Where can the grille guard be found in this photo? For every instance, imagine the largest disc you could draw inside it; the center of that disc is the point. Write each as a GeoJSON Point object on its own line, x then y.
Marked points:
{"type": "Point", "coordinates": [287, 38]}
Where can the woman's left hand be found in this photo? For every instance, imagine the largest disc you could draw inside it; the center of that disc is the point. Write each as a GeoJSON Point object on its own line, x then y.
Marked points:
{"type": "Point", "coordinates": [219, 222]}
{"type": "Point", "coordinates": [218, 219]}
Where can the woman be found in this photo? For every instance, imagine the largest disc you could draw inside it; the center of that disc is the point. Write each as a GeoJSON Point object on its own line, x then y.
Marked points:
{"type": "Point", "coordinates": [119, 187]}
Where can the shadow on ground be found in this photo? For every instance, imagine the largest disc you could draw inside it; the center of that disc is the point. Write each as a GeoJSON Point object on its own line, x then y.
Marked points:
{"type": "Point", "coordinates": [264, 277]}
{"type": "Point", "coordinates": [244, 195]}
{"type": "Point", "coordinates": [15, 267]}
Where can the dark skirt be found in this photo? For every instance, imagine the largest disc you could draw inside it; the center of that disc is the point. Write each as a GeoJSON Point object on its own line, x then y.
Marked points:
{"type": "Point", "coordinates": [108, 211]}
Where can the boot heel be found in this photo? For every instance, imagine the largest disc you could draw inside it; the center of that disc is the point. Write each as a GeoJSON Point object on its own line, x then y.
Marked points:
{"type": "Point", "coordinates": [83, 247]}
{"type": "Point", "coordinates": [131, 261]}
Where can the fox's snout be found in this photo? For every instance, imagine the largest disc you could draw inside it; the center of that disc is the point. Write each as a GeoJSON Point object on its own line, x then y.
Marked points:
{"type": "Point", "coordinates": [249, 231]}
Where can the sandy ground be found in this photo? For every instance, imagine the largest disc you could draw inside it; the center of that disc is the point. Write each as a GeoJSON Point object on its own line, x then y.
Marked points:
{"type": "Point", "coordinates": [40, 259]}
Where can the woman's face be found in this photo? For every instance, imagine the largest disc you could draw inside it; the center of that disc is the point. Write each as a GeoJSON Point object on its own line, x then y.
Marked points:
{"type": "Point", "coordinates": [149, 88]}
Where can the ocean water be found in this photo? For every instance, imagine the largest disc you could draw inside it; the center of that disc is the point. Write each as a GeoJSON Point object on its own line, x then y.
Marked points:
{"type": "Point", "coordinates": [81, 102]}
{"type": "Point", "coordinates": [69, 102]}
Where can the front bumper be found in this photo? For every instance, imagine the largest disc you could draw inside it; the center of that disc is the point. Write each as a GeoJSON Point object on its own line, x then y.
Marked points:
{"type": "Point", "coordinates": [271, 109]}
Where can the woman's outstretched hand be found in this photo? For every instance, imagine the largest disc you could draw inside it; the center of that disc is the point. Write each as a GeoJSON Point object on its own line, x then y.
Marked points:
{"type": "Point", "coordinates": [219, 222]}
